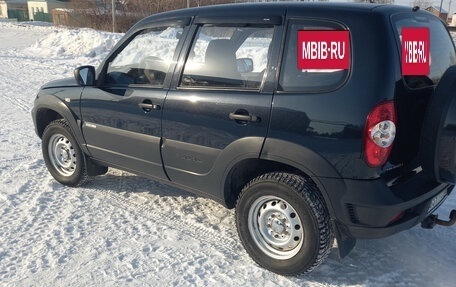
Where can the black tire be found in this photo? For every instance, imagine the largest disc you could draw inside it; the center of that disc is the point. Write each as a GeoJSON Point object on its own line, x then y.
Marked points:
{"type": "Point", "coordinates": [283, 223]}
{"type": "Point", "coordinates": [63, 157]}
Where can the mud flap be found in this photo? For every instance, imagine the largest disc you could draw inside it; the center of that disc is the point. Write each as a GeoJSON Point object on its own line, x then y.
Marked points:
{"type": "Point", "coordinates": [94, 169]}
{"type": "Point", "coordinates": [438, 136]}
{"type": "Point", "coordinates": [345, 243]}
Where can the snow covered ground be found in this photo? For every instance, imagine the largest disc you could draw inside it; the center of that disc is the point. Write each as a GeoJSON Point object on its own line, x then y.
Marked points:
{"type": "Point", "coordinates": [126, 230]}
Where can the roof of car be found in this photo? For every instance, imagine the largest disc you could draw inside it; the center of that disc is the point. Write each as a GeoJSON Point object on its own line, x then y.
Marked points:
{"type": "Point", "coordinates": [265, 10]}
{"type": "Point", "coordinates": [271, 6]}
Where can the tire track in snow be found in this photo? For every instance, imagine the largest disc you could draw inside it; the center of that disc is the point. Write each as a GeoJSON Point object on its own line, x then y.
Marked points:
{"type": "Point", "coordinates": [230, 246]}
{"type": "Point", "coordinates": [4, 162]}
{"type": "Point", "coordinates": [50, 226]}
{"type": "Point", "coordinates": [127, 221]}
{"type": "Point", "coordinates": [21, 96]}
{"type": "Point", "coordinates": [14, 94]}
{"type": "Point", "coordinates": [21, 216]}
{"type": "Point", "coordinates": [41, 211]}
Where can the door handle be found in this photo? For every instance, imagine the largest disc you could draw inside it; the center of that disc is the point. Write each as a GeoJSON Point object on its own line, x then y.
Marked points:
{"type": "Point", "coordinates": [244, 118]}
{"type": "Point", "coordinates": [147, 106]}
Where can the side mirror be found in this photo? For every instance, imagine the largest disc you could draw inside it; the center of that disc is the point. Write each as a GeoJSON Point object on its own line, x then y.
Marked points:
{"type": "Point", "coordinates": [244, 65]}
{"type": "Point", "coordinates": [85, 76]}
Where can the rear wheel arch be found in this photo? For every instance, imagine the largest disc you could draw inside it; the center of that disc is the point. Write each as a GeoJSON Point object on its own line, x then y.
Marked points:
{"type": "Point", "coordinates": [248, 169]}
{"type": "Point", "coordinates": [304, 160]}
{"type": "Point", "coordinates": [282, 156]}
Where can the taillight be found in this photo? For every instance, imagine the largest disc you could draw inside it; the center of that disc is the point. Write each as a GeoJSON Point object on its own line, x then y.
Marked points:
{"type": "Point", "coordinates": [379, 134]}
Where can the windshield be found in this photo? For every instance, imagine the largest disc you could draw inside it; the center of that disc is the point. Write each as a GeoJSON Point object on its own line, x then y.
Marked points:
{"type": "Point", "coordinates": [442, 52]}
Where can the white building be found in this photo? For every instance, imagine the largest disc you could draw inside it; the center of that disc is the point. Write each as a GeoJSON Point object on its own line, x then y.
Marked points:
{"type": "Point", "coordinates": [3, 10]}
{"type": "Point", "coordinates": [12, 5]}
{"type": "Point", "coordinates": [44, 6]}
{"type": "Point", "coordinates": [453, 20]}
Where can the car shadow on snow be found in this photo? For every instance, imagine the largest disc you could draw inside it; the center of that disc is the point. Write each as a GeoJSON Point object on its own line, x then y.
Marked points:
{"type": "Point", "coordinates": [123, 182]}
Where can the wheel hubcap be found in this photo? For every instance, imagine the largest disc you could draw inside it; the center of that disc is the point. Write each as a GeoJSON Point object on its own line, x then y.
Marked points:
{"type": "Point", "coordinates": [275, 227]}
{"type": "Point", "coordinates": [62, 154]}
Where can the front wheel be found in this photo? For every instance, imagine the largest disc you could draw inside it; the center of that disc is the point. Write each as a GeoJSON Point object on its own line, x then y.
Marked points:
{"type": "Point", "coordinates": [283, 223]}
{"type": "Point", "coordinates": [62, 155]}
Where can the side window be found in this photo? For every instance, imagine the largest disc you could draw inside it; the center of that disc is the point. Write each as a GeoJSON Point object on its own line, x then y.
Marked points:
{"type": "Point", "coordinates": [146, 59]}
{"type": "Point", "coordinates": [228, 57]}
{"type": "Point", "coordinates": [293, 79]}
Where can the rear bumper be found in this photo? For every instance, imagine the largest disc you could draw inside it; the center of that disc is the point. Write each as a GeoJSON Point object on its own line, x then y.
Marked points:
{"type": "Point", "coordinates": [371, 209]}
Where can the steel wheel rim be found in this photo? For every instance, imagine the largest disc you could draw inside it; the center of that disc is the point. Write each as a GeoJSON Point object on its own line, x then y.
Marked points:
{"type": "Point", "coordinates": [275, 227]}
{"type": "Point", "coordinates": [62, 155]}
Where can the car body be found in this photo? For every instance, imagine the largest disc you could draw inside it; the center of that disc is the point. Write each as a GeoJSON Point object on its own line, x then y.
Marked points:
{"type": "Point", "coordinates": [212, 100]}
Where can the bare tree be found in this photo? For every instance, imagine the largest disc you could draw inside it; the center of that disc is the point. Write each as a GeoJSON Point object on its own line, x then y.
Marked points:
{"type": "Point", "coordinates": [90, 13]}
{"type": "Point", "coordinates": [97, 13]}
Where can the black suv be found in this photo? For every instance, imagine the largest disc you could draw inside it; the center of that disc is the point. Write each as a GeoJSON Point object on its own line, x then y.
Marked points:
{"type": "Point", "coordinates": [302, 117]}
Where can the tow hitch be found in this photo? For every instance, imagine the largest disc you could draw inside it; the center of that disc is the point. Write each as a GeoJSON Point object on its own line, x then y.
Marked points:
{"type": "Point", "coordinates": [430, 221]}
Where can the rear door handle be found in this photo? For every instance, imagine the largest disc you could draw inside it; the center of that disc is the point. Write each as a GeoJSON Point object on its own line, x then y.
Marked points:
{"type": "Point", "coordinates": [244, 118]}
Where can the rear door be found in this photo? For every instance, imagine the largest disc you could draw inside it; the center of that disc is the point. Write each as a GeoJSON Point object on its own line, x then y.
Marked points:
{"type": "Point", "coordinates": [122, 114]}
{"type": "Point", "coordinates": [422, 106]}
{"type": "Point", "coordinates": [219, 111]}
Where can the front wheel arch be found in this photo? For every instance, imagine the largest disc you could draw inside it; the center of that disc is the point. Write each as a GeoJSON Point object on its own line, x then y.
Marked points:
{"type": "Point", "coordinates": [43, 118]}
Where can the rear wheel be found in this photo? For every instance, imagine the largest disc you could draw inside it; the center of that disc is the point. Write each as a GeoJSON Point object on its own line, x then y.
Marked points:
{"type": "Point", "coordinates": [62, 155]}
{"type": "Point", "coordinates": [283, 223]}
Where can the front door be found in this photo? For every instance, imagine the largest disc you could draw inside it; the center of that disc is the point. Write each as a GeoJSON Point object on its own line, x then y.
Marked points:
{"type": "Point", "coordinates": [122, 115]}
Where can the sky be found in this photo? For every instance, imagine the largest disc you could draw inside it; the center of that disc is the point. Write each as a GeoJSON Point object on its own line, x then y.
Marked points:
{"type": "Point", "coordinates": [445, 4]}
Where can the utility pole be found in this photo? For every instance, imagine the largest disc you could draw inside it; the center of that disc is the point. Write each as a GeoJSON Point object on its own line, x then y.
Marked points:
{"type": "Point", "coordinates": [440, 10]}
{"type": "Point", "coordinates": [449, 8]}
{"type": "Point", "coordinates": [113, 8]}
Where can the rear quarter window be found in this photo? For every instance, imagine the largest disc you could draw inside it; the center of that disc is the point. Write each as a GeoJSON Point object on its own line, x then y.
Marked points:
{"type": "Point", "coordinates": [441, 46]}
{"type": "Point", "coordinates": [294, 79]}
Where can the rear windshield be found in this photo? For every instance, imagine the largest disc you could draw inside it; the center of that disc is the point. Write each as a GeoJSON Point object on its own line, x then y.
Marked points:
{"type": "Point", "coordinates": [442, 51]}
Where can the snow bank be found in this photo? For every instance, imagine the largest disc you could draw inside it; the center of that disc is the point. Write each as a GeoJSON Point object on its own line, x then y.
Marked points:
{"type": "Point", "coordinates": [75, 43]}
{"type": "Point", "coordinates": [153, 43]}
{"type": "Point", "coordinates": [89, 43]}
